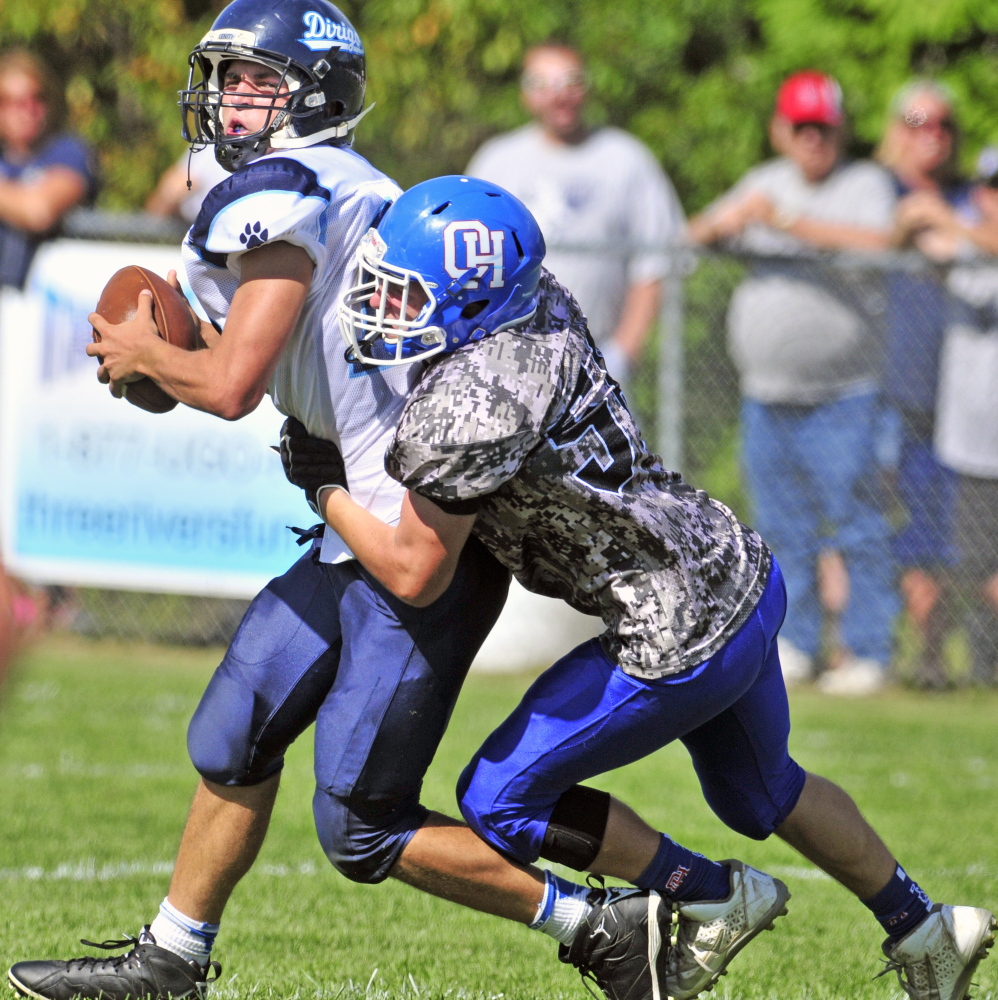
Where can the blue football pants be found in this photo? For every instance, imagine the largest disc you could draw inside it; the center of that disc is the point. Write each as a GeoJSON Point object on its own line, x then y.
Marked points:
{"type": "Point", "coordinates": [585, 716]}
{"type": "Point", "coordinates": [328, 644]}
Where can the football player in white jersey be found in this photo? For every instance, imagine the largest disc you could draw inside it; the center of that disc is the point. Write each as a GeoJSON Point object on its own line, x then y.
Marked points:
{"type": "Point", "coordinates": [278, 86]}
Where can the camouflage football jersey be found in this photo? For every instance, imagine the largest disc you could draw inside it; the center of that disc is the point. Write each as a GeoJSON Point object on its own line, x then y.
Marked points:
{"type": "Point", "coordinates": [526, 428]}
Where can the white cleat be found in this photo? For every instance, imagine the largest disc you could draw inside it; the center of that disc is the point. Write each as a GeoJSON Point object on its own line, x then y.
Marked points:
{"type": "Point", "coordinates": [936, 960]}
{"type": "Point", "coordinates": [712, 933]}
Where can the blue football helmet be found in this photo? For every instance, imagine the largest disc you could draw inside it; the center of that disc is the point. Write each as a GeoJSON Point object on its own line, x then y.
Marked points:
{"type": "Point", "coordinates": [318, 55]}
{"type": "Point", "coordinates": [453, 260]}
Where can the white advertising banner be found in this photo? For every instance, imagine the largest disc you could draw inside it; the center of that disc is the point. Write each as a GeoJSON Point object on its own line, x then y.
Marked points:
{"type": "Point", "coordinates": [95, 491]}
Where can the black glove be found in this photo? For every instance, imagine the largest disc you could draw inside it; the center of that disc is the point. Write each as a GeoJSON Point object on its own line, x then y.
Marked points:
{"type": "Point", "coordinates": [311, 463]}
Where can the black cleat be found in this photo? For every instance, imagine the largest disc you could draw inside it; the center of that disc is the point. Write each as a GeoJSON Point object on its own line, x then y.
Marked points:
{"type": "Point", "coordinates": [623, 946]}
{"type": "Point", "coordinates": [145, 971]}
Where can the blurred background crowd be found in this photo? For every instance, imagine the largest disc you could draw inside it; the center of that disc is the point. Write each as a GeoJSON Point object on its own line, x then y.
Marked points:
{"type": "Point", "coordinates": [811, 190]}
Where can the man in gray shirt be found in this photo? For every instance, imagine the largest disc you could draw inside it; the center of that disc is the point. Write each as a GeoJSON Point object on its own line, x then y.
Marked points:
{"type": "Point", "coordinates": [608, 212]}
{"type": "Point", "coordinates": [801, 336]}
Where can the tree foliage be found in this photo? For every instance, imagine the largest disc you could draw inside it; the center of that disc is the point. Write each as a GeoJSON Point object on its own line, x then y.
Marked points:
{"type": "Point", "coordinates": [693, 78]}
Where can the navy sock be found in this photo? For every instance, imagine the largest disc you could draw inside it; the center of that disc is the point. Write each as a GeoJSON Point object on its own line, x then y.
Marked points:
{"type": "Point", "coordinates": [900, 906]}
{"type": "Point", "coordinates": [682, 874]}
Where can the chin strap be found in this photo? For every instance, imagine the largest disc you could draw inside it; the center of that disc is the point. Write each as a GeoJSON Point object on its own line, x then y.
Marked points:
{"type": "Point", "coordinates": [336, 132]}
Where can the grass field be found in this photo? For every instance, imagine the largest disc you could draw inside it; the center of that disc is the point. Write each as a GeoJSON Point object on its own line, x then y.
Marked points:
{"type": "Point", "coordinates": [96, 785]}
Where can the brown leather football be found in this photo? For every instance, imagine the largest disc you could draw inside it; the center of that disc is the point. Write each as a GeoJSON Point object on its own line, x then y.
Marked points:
{"type": "Point", "coordinates": [173, 317]}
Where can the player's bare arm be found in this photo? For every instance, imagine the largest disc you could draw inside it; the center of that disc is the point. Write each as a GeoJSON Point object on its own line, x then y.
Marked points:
{"type": "Point", "coordinates": [231, 378]}
{"type": "Point", "coordinates": [416, 558]}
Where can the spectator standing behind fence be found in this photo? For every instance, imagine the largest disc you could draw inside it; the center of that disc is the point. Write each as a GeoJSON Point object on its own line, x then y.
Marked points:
{"type": "Point", "coordinates": [43, 172]}
{"type": "Point", "coordinates": [173, 196]}
{"type": "Point", "coordinates": [967, 406]}
{"type": "Point", "coordinates": [607, 210]}
{"type": "Point", "coordinates": [802, 339]}
{"type": "Point", "coordinates": [920, 148]}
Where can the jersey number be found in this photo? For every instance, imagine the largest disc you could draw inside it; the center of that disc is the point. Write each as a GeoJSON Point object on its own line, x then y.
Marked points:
{"type": "Point", "coordinates": [606, 449]}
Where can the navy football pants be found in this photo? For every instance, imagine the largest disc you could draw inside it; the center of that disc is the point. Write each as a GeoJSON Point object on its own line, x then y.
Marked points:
{"type": "Point", "coordinates": [328, 644]}
{"type": "Point", "coordinates": [585, 716]}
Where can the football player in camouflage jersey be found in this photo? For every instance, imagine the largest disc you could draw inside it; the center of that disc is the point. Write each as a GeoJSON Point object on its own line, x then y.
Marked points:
{"type": "Point", "coordinates": [516, 434]}
{"type": "Point", "coordinates": [269, 257]}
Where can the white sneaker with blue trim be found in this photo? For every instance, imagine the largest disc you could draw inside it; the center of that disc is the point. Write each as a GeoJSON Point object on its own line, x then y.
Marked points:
{"type": "Point", "coordinates": [711, 933]}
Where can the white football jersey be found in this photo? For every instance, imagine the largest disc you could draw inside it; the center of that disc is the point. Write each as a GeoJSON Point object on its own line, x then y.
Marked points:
{"type": "Point", "coordinates": [323, 199]}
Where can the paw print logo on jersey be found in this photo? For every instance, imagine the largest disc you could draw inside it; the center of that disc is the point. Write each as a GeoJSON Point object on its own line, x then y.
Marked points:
{"type": "Point", "coordinates": [482, 250]}
{"type": "Point", "coordinates": [253, 236]}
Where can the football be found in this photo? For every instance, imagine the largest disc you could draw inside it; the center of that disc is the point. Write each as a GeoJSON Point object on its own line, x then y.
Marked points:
{"type": "Point", "coordinates": [174, 320]}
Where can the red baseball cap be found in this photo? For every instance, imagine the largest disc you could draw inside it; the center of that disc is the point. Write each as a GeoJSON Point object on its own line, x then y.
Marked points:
{"type": "Point", "coordinates": [810, 97]}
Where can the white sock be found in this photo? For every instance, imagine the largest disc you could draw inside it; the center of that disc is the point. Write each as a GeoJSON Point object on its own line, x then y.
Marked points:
{"type": "Point", "coordinates": [562, 908]}
{"type": "Point", "coordinates": [191, 939]}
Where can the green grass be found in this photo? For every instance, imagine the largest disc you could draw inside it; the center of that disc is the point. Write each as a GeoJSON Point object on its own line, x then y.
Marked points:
{"type": "Point", "coordinates": [96, 786]}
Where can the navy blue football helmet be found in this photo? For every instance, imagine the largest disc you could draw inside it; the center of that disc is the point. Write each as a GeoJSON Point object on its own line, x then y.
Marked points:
{"type": "Point", "coordinates": [453, 260]}
{"type": "Point", "coordinates": [320, 59]}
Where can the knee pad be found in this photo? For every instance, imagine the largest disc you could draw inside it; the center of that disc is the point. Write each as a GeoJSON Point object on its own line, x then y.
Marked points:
{"type": "Point", "coordinates": [361, 839]}
{"type": "Point", "coordinates": [219, 737]}
{"type": "Point", "coordinates": [575, 831]}
{"type": "Point", "coordinates": [572, 836]}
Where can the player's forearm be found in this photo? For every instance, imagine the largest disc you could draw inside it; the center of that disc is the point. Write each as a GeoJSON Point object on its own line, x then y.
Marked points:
{"type": "Point", "coordinates": [231, 378]}
{"type": "Point", "coordinates": [210, 380]}
{"type": "Point", "coordinates": [416, 571]}
{"type": "Point", "coordinates": [369, 539]}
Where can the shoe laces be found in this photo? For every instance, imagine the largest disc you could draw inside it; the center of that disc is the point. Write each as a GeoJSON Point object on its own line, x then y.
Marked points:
{"type": "Point", "coordinates": [589, 978]}
{"type": "Point", "coordinates": [597, 897]}
{"type": "Point", "coordinates": [128, 960]}
{"type": "Point", "coordinates": [910, 988]}
{"type": "Point", "coordinates": [892, 966]}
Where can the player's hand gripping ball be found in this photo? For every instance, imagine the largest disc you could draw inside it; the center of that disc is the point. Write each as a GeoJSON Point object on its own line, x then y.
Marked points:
{"type": "Point", "coordinates": [175, 322]}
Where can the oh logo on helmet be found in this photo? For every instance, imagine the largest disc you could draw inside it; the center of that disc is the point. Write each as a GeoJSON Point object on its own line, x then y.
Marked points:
{"type": "Point", "coordinates": [482, 250]}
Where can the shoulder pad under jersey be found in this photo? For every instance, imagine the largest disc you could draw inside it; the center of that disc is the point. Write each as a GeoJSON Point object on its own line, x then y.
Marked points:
{"type": "Point", "coordinates": [258, 204]}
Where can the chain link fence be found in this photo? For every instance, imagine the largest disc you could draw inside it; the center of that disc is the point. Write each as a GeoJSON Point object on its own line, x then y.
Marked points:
{"type": "Point", "coordinates": [846, 405]}
{"type": "Point", "coordinates": [167, 618]}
